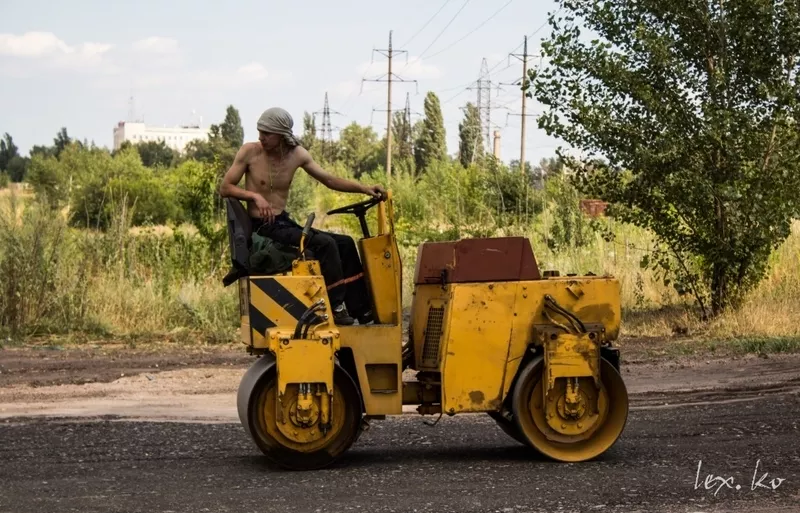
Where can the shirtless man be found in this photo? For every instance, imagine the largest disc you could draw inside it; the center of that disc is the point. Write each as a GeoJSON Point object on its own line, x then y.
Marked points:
{"type": "Point", "coordinates": [269, 167]}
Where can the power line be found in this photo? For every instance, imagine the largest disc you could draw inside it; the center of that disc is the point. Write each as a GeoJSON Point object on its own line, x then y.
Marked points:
{"type": "Point", "coordinates": [487, 20]}
{"type": "Point", "coordinates": [438, 35]}
{"type": "Point", "coordinates": [465, 87]}
{"type": "Point", "coordinates": [426, 24]}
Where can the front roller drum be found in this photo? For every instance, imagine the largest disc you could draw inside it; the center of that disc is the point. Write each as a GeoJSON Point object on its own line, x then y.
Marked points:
{"type": "Point", "coordinates": [257, 411]}
{"type": "Point", "coordinates": [570, 434]}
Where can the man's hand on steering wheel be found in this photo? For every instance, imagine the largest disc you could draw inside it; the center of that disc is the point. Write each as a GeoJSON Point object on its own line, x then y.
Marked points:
{"type": "Point", "coordinates": [376, 191]}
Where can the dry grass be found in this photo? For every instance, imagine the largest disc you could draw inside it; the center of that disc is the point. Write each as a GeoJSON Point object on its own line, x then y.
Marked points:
{"type": "Point", "coordinates": [772, 310]}
{"type": "Point", "coordinates": [151, 283]}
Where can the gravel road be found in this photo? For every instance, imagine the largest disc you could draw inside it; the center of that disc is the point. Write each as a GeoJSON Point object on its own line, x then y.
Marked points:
{"type": "Point", "coordinates": [696, 436]}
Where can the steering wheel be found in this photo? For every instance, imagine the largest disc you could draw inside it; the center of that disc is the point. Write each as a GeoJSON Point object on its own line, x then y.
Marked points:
{"type": "Point", "coordinates": [359, 210]}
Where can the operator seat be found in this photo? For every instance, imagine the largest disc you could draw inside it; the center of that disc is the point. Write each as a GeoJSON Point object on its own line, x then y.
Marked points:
{"type": "Point", "coordinates": [240, 241]}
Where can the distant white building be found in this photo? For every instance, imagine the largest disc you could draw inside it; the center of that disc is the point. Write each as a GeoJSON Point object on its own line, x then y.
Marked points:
{"type": "Point", "coordinates": [175, 137]}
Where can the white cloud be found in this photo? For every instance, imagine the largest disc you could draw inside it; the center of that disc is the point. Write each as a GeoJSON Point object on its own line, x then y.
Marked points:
{"type": "Point", "coordinates": [157, 45]}
{"type": "Point", "coordinates": [32, 44]}
{"type": "Point", "coordinates": [47, 48]}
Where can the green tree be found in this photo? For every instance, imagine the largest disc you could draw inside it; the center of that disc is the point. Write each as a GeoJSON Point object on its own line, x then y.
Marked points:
{"type": "Point", "coordinates": [231, 129]}
{"type": "Point", "coordinates": [224, 140]}
{"type": "Point", "coordinates": [8, 150]}
{"type": "Point", "coordinates": [17, 168]}
{"type": "Point", "coordinates": [431, 144]}
{"type": "Point", "coordinates": [157, 154]}
{"type": "Point", "coordinates": [359, 149]}
{"type": "Point", "coordinates": [61, 141]}
{"type": "Point", "coordinates": [402, 145]}
{"type": "Point", "coordinates": [689, 114]}
{"type": "Point", "coordinates": [11, 162]}
{"type": "Point", "coordinates": [48, 180]}
{"type": "Point", "coordinates": [470, 146]}
{"type": "Point", "coordinates": [309, 137]}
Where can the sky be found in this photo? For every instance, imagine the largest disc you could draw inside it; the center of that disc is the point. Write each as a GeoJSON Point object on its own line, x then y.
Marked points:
{"type": "Point", "coordinates": [86, 65]}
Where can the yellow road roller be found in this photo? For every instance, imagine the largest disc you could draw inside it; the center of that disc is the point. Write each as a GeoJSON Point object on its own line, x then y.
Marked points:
{"type": "Point", "coordinates": [488, 334]}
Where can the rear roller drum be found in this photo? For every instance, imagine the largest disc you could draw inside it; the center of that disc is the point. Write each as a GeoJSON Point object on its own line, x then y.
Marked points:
{"type": "Point", "coordinates": [288, 443]}
{"type": "Point", "coordinates": [578, 421]}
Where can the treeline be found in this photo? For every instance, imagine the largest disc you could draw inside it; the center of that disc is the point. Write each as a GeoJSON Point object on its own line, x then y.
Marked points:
{"type": "Point", "coordinates": [437, 196]}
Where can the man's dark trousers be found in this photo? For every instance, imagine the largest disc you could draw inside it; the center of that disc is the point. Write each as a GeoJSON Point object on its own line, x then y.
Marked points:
{"type": "Point", "coordinates": [337, 255]}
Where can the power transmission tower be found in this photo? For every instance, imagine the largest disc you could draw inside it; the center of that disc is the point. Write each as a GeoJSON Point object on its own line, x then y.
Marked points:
{"type": "Point", "coordinates": [327, 129]}
{"type": "Point", "coordinates": [484, 87]}
{"type": "Point", "coordinates": [389, 77]}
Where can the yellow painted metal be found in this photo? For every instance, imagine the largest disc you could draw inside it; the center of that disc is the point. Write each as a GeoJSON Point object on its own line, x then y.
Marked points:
{"type": "Point", "coordinates": [572, 443]}
{"type": "Point", "coordinates": [305, 360]}
{"type": "Point", "coordinates": [571, 356]}
{"type": "Point", "coordinates": [595, 300]}
{"type": "Point", "coordinates": [382, 266]}
{"type": "Point", "coordinates": [377, 345]}
{"type": "Point", "coordinates": [573, 409]}
{"type": "Point", "coordinates": [477, 333]}
{"type": "Point", "coordinates": [476, 346]}
{"type": "Point", "coordinates": [283, 428]}
{"type": "Point", "coordinates": [427, 331]}
{"type": "Point", "coordinates": [279, 301]}
{"type": "Point", "coordinates": [306, 268]}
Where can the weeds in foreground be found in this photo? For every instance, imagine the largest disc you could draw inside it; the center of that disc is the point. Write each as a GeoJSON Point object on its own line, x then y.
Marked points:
{"type": "Point", "coordinates": [131, 284]}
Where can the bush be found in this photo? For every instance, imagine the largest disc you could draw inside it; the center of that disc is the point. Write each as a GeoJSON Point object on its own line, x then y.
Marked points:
{"type": "Point", "coordinates": [4, 179]}
{"type": "Point", "coordinates": [48, 181]}
{"type": "Point", "coordinates": [44, 281]}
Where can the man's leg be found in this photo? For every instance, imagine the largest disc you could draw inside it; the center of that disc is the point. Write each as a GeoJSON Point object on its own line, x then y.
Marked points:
{"type": "Point", "coordinates": [357, 296]}
{"type": "Point", "coordinates": [286, 231]}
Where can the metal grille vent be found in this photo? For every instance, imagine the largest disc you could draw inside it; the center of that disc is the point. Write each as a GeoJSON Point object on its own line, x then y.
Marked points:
{"type": "Point", "coordinates": [433, 337]}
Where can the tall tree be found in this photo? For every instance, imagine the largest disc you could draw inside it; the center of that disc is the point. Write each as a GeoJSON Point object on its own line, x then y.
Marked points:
{"type": "Point", "coordinates": [231, 128]}
{"type": "Point", "coordinates": [470, 146]}
{"type": "Point", "coordinates": [61, 141]}
{"type": "Point", "coordinates": [402, 147]}
{"type": "Point", "coordinates": [689, 116]}
{"type": "Point", "coordinates": [309, 138]}
{"type": "Point", "coordinates": [431, 144]}
{"type": "Point", "coordinates": [224, 140]}
{"type": "Point", "coordinates": [8, 150]}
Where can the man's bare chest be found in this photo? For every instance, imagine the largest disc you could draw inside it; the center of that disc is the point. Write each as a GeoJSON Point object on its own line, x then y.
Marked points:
{"type": "Point", "coordinates": [269, 175]}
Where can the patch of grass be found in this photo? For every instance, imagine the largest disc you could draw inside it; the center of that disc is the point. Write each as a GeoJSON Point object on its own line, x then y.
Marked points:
{"type": "Point", "coordinates": [755, 345]}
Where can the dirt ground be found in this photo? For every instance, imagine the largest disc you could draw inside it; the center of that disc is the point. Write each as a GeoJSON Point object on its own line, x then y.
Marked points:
{"type": "Point", "coordinates": [178, 382]}
{"type": "Point", "coordinates": [114, 428]}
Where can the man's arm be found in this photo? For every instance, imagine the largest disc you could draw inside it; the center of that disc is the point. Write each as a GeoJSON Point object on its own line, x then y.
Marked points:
{"type": "Point", "coordinates": [230, 185]}
{"type": "Point", "coordinates": [332, 181]}
{"type": "Point", "coordinates": [230, 182]}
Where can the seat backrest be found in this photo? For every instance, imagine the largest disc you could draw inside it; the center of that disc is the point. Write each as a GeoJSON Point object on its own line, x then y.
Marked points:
{"type": "Point", "coordinates": [240, 231]}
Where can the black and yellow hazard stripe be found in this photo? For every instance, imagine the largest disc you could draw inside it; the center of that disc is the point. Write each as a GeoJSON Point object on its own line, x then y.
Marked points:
{"type": "Point", "coordinates": [273, 305]}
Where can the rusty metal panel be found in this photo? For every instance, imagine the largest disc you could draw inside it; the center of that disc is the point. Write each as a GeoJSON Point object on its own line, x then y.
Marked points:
{"type": "Point", "coordinates": [496, 259]}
